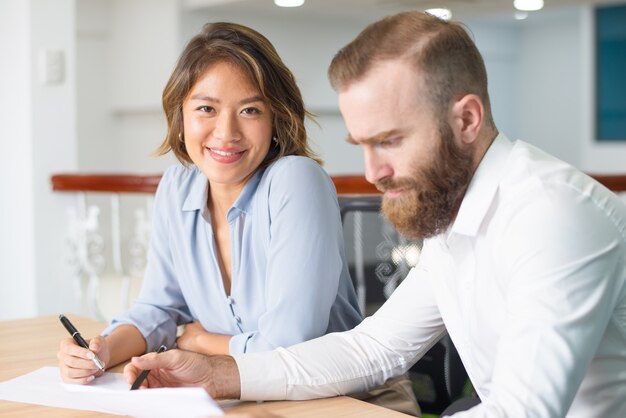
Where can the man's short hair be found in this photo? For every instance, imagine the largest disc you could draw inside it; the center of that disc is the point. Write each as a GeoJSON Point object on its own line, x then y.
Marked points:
{"type": "Point", "coordinates": [443, 53]}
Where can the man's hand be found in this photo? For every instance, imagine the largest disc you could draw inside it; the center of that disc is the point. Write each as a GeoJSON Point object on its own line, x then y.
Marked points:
{"type": "Point", "coordinates": [218, 375]}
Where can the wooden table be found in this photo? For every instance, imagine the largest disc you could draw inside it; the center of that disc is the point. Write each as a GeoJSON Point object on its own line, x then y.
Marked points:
{"type": "Point", "coordinates": [28, 344]}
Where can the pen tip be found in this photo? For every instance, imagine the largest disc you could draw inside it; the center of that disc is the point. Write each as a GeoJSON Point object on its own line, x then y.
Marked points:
{"type": "Point", "coordinates": [61, 316]}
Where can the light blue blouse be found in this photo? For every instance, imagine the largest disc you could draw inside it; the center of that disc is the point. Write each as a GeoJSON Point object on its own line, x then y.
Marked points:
{"type": "Point", "coordinates": [290, 280]}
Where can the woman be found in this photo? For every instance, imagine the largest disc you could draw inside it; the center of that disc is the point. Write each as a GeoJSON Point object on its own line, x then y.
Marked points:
{"type": "Point", "coordinates": [247, 245]}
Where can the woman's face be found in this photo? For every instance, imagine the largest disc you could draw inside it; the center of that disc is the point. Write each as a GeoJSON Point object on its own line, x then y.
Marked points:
{"type": "Point", "coordinates": [227, 126]}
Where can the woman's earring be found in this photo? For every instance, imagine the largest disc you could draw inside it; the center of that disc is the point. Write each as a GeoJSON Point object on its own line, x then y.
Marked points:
{"type": "Point", "coordinates": [275, 139]}
{"type": "Point", "coordinates": [180, 137]}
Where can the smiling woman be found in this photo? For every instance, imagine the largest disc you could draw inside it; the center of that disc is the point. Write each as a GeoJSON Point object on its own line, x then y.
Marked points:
{"type": "Point", "coordinates": [227, 127]}
{"type": "Point", "coordinates": [239, 251]}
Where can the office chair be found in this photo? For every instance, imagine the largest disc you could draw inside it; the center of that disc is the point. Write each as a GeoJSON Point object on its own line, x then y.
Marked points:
{"type": "Point", "coordinates": [379, 260]}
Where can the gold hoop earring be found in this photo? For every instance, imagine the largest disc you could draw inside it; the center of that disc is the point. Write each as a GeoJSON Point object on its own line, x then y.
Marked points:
{"type": "Point", "coordinates": [180, 137]}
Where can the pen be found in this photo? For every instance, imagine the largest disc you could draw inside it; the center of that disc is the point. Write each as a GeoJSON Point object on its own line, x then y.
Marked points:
{"type": "Point", "coordinates": [142, 376]}
{"type": "Point", "coordinates": [79, 340]}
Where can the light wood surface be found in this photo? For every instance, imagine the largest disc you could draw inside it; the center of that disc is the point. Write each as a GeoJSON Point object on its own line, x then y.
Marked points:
{"type": "Point", "coordinates": [28, 344]}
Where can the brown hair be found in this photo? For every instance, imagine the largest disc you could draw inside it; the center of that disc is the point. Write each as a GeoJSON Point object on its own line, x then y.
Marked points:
{"type": "Point", "coordinates": [448, 59]}
{"type": "Point", "coordinates": [256, 57]}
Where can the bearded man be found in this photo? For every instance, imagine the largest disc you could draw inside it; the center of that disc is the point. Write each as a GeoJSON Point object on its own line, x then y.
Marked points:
{"type": "Point", "coordinates": [524, 259]}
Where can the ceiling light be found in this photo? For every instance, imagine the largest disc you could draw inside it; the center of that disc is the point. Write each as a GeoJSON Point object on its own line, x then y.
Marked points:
{"type": "Point", "coordinates": [444, 14]}
{"type": "Point", "coordinates": [289, 3]}
{"type": "Point", "coordinates": [528, 5]}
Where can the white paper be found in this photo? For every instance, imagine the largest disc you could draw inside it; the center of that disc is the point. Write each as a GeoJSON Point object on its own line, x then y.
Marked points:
{"type": "Point", "coordinates": [108, 393]}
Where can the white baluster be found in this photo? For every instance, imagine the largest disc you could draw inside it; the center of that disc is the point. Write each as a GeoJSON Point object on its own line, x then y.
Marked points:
{"type": "Point", "coordinates": [116, 251]}
{"type": "Point", "coordinates": [138, 245]}
{"type": "Point", "coordinates": [86, 245]}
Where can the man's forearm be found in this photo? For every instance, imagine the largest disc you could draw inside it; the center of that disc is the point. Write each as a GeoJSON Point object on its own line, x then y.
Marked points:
{"type": "Point", "coordinates": [223, 378]}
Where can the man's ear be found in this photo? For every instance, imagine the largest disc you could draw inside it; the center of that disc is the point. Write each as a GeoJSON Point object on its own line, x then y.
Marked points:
{"type": "Point", "coordinates": [466, 118]}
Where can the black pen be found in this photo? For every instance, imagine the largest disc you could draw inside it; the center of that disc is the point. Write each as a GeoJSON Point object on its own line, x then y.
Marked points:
{"type": "Point", "coordinates": [79, 340]}
{"type": "Point", "coordinates": [144, 373]}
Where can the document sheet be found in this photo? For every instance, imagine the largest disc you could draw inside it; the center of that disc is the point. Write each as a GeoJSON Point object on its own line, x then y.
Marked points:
{"type": "Point", "coordinates": [108, 393]}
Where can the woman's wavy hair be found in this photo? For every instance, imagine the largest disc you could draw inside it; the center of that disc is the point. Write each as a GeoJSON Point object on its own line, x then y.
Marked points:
{"type": "Point", "coordinates": [255, 56]}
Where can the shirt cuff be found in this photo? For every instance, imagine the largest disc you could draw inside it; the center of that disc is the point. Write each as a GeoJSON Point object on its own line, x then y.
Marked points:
{"type": "Point", "coordinates": [239, 343]}
{"type": "Point", "coordinates": [262, 376]}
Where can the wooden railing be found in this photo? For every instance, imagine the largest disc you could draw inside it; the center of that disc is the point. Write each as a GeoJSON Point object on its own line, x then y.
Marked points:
{"type": "Point", "coordinates": [115, 246]}
{"type": "Point", "coordinates": [134, 183]}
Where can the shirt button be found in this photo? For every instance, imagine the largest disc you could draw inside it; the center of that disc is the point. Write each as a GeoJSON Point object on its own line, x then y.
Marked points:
{"type": "Point", "coordinates": [230, 300]}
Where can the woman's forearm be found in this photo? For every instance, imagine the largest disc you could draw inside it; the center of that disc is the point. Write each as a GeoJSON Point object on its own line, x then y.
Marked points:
{"type": "Point", "coordinates": [125, 342]}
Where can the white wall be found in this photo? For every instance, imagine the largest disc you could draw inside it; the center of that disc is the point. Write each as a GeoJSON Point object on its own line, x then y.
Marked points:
{"type": "Point", "coordinates": [17, 277]}
{"type": "Point", "coordinates": [126, 50]}
{"type": "Point", "coordinates": [39, 135]}
{"type": "Point", "coordinates": [550, 84]}
{"type": "Point", "coordinates": [499, 44]}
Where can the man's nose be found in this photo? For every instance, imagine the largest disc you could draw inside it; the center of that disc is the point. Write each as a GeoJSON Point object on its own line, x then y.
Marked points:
{"type": "Point", "coordinates": [376, 168]}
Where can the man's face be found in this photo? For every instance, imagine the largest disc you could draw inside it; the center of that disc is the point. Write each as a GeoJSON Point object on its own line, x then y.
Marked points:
{"type": "Point", "coordinates": [409, 155]}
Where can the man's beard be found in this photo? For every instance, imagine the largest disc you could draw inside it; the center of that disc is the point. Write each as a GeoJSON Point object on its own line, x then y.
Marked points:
{"type": "Point", "coordinates": [433, 195]}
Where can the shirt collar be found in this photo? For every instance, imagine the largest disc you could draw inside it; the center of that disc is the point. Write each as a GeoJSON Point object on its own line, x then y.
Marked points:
{"type": "Point", "coordinates": [482, 187]}
{"type": "Point", "coordinates": [199, 192]}
{"type": "Point", "coordinates": [244, 201]}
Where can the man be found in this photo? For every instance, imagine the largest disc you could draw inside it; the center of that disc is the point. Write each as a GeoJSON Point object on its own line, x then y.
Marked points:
{"type": "Point", "coordinates": [524, 260]}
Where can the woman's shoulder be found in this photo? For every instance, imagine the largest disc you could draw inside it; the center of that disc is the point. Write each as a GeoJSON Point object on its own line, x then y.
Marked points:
{"type": "Point", "coordinates": [295, 165]}
{"type": "Point", "coordinates": [296, 175]}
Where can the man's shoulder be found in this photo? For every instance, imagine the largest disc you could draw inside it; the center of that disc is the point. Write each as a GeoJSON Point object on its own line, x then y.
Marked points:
{"type": "Point", "coordinates": [542, 188]}
{"type": "Point", "coordinates": [534, 174]}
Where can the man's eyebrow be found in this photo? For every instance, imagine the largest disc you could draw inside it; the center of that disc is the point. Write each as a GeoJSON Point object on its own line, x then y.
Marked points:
{"type": "Point", "coordinates": [372, 139]}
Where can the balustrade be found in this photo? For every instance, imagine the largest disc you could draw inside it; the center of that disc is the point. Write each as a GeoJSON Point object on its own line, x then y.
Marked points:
{"type": "Point", "coordinates": [112, 252]}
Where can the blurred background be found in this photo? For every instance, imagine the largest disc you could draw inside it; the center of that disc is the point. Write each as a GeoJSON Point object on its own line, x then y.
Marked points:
{"type": "Point", "coordinates": [81, 83]}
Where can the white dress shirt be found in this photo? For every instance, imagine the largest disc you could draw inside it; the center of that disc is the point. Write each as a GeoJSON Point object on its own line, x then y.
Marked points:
{"type": "Point", "coordinates": [529, 282]}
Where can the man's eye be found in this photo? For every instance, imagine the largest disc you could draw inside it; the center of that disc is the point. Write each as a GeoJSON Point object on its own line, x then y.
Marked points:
{"type": "Point", "coordinates": [390, 142]}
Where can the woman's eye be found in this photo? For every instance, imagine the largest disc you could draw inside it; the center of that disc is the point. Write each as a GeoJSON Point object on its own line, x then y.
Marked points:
{"type": "Point", "coordinates": [206, 109]}
{"type": "Point", "coordinates": [251, 111]}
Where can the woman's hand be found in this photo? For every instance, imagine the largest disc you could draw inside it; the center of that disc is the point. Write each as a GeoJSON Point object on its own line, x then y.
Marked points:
{"type": "Point", "coordinates": [76, 363]}
{"type": "Point", "coordinates": [218, 375]}
{"type": "Point", "coordinates": [196, 338]}
{"type": "Point", "coordinates": [191, 337]}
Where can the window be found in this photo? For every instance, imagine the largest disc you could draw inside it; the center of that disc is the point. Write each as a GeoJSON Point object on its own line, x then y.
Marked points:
{"type": "Point", "coordinates": [610, 37]}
